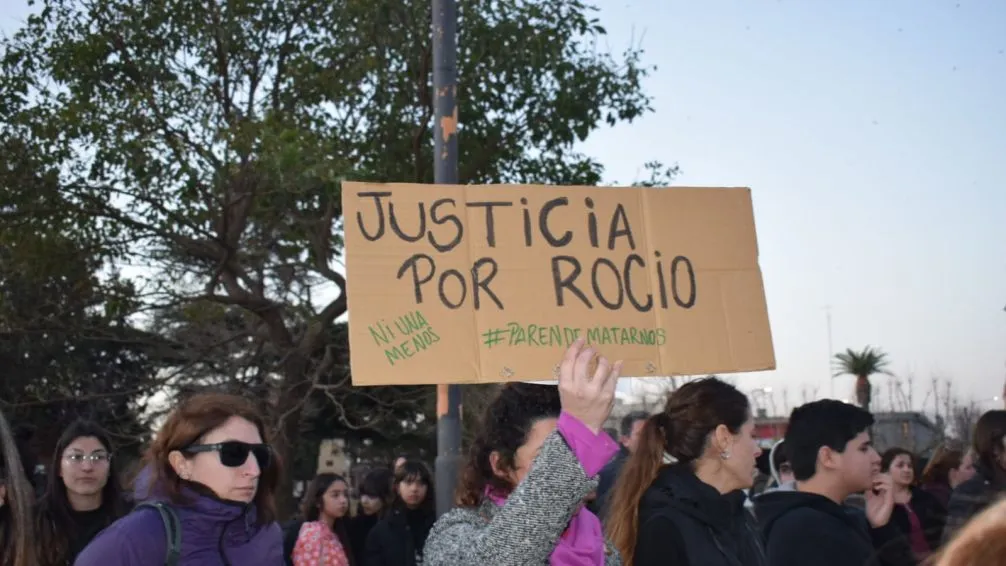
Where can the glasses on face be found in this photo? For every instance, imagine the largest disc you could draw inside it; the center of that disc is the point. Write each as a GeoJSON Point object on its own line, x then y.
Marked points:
{"type": "Point", "coordinates": [234, 454]}
{"type": "Point", "coordinates": [96, 458]}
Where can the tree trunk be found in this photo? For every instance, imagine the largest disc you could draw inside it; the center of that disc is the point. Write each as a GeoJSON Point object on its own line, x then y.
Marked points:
{"type": "Point", "coordinates": [863, 391]}
{"type": "Point", "coordinates": [284, 446]}
{"type": "Point", "coordinates": [285, 424]}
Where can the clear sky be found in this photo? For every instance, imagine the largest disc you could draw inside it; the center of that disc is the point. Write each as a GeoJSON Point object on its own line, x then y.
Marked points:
{"type": "Point", "coordinates": [873, 135]}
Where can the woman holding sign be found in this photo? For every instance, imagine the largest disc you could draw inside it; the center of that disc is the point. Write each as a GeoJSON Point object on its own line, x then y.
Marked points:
{"type": "Point", "coordinates": [534, 462]}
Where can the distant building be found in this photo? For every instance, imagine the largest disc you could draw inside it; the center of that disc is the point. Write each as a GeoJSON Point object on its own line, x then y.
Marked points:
{"type": "Point", "coordinates": [910, 430]}
{"type": "Point", "coordinates": [332, 458]}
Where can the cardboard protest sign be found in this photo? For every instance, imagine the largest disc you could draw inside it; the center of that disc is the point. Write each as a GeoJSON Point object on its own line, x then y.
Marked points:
{"type": "Point", "coordinates": [465, 284]}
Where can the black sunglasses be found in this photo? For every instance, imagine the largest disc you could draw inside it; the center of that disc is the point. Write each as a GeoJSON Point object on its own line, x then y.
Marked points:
{"type": "Point", "coordinates": [234, 454]}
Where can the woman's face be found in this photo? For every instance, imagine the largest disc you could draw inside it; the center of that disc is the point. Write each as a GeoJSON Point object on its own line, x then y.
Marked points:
{"type": "Point", "coordinates": [966, 471]}
{"type": "Point", "coordinates": [232, 483]}
{"type": "Point", "coordinates": [84, 466]}
{"type": "Point", "coordinates": [371, 505]}
{"type": "Point", "coordinates": [744, 451]}
{"type": "Point", "coordinates": [528, 451]}
{"type": "Point", "coordinates": [335, 500]}
{"type": "Point", "coordinates": [902, 472]}
{"type": "Point", "coordinates": [412, 491]}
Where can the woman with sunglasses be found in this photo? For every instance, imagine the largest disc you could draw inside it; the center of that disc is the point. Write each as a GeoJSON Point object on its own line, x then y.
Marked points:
{"type": "Point", "coordinates": [82, 494]}
{"type": "Point", "coordinates": [206, 495]}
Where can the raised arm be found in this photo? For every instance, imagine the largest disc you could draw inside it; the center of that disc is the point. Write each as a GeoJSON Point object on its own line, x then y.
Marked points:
{"type": "Point", "coordinates": [527, 527]}
{"type": "Point", "coordinates": [538, 510]}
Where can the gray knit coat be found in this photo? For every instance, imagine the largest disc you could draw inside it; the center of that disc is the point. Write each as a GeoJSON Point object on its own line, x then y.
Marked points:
{"type": "Point", "coordinates": [524, 531]}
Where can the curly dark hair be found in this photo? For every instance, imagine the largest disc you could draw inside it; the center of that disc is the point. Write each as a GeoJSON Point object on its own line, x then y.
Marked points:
{"type": "Point", "coordinates": [505, 427]}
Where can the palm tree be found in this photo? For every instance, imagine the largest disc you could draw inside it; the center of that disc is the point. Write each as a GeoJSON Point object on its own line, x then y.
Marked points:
{"type": "Point", "coordinates": [861, 365]}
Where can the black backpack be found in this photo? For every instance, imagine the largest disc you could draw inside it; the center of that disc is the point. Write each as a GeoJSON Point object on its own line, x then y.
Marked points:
{"type": "Point", "coordinates": [172, 530]}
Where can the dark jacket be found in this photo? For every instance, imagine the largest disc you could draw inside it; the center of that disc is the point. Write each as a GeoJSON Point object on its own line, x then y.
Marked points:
{"type": "Point", "coordinates": [940, 491]}
{"type": "Point", "coordinates": [971, 497]}
{"type": "Point", "coordinates": [359, 528]}
{"type": "Point", "coordinates": [803, 528]}
{"type": "Point", "coordinates": [685, 522]}
{"type": "Point", "coordinates": [606, 481]}
{"type": "Point", "coordinates": [931, 514]}
{"type": "Point", "coordinates": [214, 533]}
{"type": "Point", "coordinates": [398, 538]}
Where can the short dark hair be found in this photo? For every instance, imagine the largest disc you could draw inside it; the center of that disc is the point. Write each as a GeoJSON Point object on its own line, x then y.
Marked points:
{"type": "Point", "coordinates": [821, 423]}
{"type": "Point", "coordinates": [632, 418]}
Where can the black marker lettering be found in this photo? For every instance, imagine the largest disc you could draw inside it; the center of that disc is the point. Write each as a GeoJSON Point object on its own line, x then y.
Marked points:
{"type": "Point", "coordinates": [546, 233]}
{"type": "Point", "coordinates": [459, 229]}
{"type": "Point", "coordinates": [490, 219]}
{"type": "Point", "coordinates": [417, 281]}
{"type": "Point", "coordinates": [380, 216]}
{"type": "Point", "coordinates": [661, 282]}
{"type": "Point", "coordinates": [591, 222]}
{"type": "Point", "coordinates": [559, 282]}
{"type": "Point", "coordinates": [443, 293]}
{"type": "Point", "coordinates": [610, 305]}
{"type": "Point", "coordinates": [398, 230]}
{"type": "Point", "coordinates": [617, 231]}
{"type": "Point", "coordinates": [691, 282]}
{"type": "Point", "coordinates": [479, 283]}
{"type": "Point", "coordinates": [633, 258]}
{"type": "Point", "coordinates": [527, 223]}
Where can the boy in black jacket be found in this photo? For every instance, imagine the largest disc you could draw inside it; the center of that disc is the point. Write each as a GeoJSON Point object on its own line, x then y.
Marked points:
{"type": "Point", "coordinates": [832, 458]}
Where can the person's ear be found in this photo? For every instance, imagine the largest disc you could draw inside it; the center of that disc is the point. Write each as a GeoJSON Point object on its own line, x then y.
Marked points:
{"type": "Point", "coordinates": [827, 458]}
{"type": "Point", "coordinates": [723, 439]}
{"type": "Point", "coordinates": [499, 470]}
{"type": "Point", "coordinates": [181, 465]}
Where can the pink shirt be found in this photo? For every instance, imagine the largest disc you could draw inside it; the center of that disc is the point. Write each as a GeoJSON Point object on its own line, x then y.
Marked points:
{"type": "Point", "coordinates": [317, 545]}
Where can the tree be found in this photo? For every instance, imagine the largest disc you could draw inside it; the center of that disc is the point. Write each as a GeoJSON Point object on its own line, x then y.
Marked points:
{"type": "Point", "coordinates": [65, 346]}
{"type": "Point", "coordinates": [862, 365]}
{"type": "Point", "coordinates": [213, 137]}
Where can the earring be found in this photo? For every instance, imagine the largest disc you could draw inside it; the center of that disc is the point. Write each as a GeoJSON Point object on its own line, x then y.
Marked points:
{"type": "Point", "coordinates": [725, 454]}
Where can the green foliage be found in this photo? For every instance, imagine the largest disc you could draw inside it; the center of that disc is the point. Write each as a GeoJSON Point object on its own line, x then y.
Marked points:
{"type": "Point", "coordinates": [206, 142]}
{"type": "Point", "coordinates": [868, 362]}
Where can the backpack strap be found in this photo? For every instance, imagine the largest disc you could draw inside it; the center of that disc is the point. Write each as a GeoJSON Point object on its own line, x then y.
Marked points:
{"type": "Point", "coordinates": [172, 529]}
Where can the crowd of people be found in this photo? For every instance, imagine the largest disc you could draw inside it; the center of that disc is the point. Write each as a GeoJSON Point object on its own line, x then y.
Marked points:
{"type": "Point", "coordinates": [543, 484]}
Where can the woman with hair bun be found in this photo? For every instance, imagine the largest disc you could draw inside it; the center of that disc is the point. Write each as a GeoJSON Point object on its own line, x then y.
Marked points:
{"type": "Point", "coordinates": [534, 462]}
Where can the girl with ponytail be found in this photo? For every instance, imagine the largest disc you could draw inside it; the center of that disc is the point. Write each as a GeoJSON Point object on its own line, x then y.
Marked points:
{"type": "Point", "coordinates": [679, 499]}
{"type": "Point", "coordinates": [16, 500]}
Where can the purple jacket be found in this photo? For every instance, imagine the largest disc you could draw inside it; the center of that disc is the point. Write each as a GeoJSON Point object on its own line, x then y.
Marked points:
{"type": "Point", "coordinates": [214, 533]}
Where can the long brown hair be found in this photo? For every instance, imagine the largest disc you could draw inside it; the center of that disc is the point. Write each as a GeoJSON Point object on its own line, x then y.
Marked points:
{"type": "Point", "coordinates": [681, 430]}
{"type": "Point", "coordinates": [191, 420]}
{"type": "Point", "coordinates": [16, 522]}
{"type": "Point", "coordinates": [945, 459]}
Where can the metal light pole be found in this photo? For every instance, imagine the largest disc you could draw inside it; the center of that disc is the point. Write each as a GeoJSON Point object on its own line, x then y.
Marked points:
{"type": "Point", "coordinates": [831, 352]}
{"type": "Point", "coordinates": [445, 171]}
